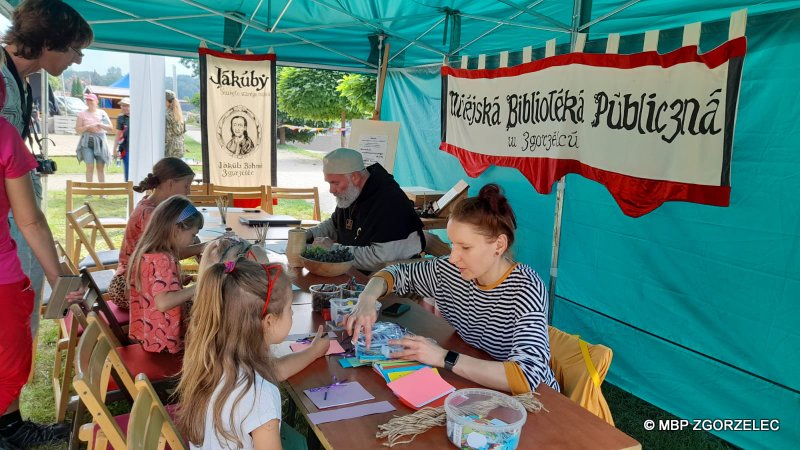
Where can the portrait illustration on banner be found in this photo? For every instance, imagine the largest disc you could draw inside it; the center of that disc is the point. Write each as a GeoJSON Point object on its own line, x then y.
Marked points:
{"type": "Point", "coordinates": [239, 132]}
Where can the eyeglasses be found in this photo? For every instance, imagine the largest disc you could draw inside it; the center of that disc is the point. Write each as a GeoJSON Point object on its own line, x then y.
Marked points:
{"type": "Point", "coordinates": [271, 279]}
{"type": "Point", "coordinates": [78, 53]}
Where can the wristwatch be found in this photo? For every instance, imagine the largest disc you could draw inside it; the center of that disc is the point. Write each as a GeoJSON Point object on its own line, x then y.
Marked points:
{"type": "Point", "coordinates": [450, 359]}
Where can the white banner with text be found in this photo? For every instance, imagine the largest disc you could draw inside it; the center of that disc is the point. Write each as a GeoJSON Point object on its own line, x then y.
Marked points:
{"type": "Point", "coordinates": [238, 118]}
{"type": "Point", "coordinates": [650, 127]}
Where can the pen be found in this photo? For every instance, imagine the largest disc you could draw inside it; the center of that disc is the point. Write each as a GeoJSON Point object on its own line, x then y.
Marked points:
{"type": "Point", "coordinates": [325, 397]}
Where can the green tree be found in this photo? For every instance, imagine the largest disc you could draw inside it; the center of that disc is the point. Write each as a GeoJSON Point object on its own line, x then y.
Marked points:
{"type": "Point", "coordinates": [77, 88]}
{"type": "Point", "coordinates": [193, 64]}
{"type": "Point", "coordinates": [55, 82]}
{"type": "Point", "coordinates": [195, 100]}
{"type": "Point", "coordinates": [359, 90]}
{"type": "Point", "coordinates": [311, 94]}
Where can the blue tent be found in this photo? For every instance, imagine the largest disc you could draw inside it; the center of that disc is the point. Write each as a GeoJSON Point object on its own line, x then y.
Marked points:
{"type": "Point", "coordinates": [699, 303]}
{"type": "Point", "coordinates": [124, 82]}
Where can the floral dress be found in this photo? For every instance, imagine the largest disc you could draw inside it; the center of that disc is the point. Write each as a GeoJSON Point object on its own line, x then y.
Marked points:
{"type": "Point", "coordinates": [173, 145]}
{"type": "Point", "coordinates": [157, 331]}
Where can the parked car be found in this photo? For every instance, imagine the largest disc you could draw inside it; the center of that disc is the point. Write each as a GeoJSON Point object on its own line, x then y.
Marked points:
{"type": "Point", "coordinates": [70, 106]}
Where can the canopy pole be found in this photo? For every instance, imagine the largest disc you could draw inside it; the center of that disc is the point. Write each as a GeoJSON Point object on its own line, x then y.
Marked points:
{"type": "Point", "coordinates": [381, 79]}
{"type": "Point", "coordinates": [579, 11]}
{"type": "Point", "coordinates": [44, 113]}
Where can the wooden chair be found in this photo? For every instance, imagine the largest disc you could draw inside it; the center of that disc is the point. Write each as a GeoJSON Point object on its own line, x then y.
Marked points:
{"type": "Point", "coordinates": [580, 369]}
{"type": "Point", "coordinates": [150, 425]}
{"type": "Point", "coordinates": [70, 330]}
{"type": "Point", "coordinates": [81, 188]}
{"type": "Point", "coordinates": [295, 194]}
{"type": "Point", "coordinates": [81, 220]}
{"type": "Point", "coordinates": [243, 193]}
{"type": "Point", "coordinates": [102, 365]}
{"type": "Point", "coordinates": [209, 200]}
{"type": "Point", "coordinates": [198, 189]}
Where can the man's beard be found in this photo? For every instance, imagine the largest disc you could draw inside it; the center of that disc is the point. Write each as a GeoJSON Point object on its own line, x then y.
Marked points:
{"type": "Point", "coordinates": [346, 198]}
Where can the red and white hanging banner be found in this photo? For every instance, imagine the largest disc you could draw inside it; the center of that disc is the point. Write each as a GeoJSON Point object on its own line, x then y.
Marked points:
{"type": "Point", "coordinates": [650, 127]}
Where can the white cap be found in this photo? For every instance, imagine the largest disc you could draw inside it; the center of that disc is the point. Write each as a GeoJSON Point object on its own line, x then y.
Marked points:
{"type": "Point", "coordinates": [342, 161]}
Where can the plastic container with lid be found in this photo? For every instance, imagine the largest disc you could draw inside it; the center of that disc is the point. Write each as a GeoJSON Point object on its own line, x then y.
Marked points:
{"type": "Point", "coordinates": [484, 419]}
{"type": "Point", "coordinates": [380, 349]}
{"type": "Point", "coordinates": [343, 306]}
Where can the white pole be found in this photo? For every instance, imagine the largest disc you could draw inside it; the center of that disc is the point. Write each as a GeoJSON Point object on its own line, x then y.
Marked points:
{"type": "Point", "coordinates": [175, 81]}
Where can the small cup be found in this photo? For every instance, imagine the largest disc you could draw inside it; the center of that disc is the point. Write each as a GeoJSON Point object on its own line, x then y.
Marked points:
{"type": "Point", "coordinates": [321, 295]}
{"type": "Point", "coordinates": [352, 293]}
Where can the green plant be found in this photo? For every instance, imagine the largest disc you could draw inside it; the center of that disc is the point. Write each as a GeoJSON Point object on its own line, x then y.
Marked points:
{"type": "Point", "coordinates": [318, 253]}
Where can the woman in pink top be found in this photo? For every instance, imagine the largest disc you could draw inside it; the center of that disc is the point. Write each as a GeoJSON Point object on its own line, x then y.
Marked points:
{"type": "Point", "coordinates": [171, 176]}
{"type": "Point", "coordinates": [92, 125]}
{"type": "Point", "coordinates": [159, 303]}
{"type": "Point", "coordinates": [16, 292]}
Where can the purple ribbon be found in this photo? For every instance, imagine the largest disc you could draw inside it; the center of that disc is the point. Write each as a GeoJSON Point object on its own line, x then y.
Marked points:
{"type": "Point", "coordinates": [336, 383]}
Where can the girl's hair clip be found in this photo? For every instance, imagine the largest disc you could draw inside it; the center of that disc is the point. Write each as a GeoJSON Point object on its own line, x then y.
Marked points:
{"type": "Point", "coordinates": [229, 266]}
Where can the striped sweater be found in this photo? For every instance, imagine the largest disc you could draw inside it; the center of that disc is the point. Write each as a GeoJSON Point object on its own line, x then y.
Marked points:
{"type": "Point", "coordinates": [507, 321]}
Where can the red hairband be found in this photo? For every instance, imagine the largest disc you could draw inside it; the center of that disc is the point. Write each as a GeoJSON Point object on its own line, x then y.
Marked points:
{"type": "Point", "coordinates": [270, 283]}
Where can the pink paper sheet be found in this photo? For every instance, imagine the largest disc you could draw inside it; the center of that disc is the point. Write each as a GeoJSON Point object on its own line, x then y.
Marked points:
{"type": "Point", "coordinates": [334, 349]}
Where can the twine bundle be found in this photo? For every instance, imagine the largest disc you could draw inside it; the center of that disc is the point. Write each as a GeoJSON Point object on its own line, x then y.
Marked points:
{"type": "Point", "coordinates": [261, 233]}
{"type": "Point", "coordinates": [421, 421]}
{"type": "Point", "coordinates": [222, 205]}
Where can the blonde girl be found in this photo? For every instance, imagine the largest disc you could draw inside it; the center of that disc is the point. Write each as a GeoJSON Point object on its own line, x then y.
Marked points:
{"type": "Point", "coordinates": [227, 390]}
{"type": "Point", "coordinates": [170, 176]}
{"type": "Point", "coordinates": [158, 298]}
{"type": "Point", "coordinates": [230, 249]}
{"type": "Point", "coordinates": [175, 127]}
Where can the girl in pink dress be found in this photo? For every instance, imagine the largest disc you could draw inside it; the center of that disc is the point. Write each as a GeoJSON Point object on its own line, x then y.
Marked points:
{"type": "Point", "coordinates": [170, 176]}
{"type": "Point", "coordinates": [158, 300]}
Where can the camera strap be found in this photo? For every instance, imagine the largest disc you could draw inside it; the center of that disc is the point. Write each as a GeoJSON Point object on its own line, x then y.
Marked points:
{"type": "Point", "coordinates": [39, 140]}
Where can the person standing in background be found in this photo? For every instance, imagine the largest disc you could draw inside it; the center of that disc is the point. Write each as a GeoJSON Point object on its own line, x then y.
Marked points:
{"type": "Point", "coordinates": [92, 125]}
{"type": "Point", "coordinates": [175, 127]}
{"type": "Point", "coordinates": [123, 123]}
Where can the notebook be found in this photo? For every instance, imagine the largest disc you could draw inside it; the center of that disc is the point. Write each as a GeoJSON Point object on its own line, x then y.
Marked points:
{"type": "Point", "coordinates": [420, 388]}
{"type": "Point", "coordinates": [268, 219]}
{"type": "Point", "coordinates": [339, 394]}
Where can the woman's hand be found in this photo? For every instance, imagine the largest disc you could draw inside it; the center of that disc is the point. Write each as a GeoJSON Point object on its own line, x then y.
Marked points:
{"type": "Point", "coordinates": [362, 318]}
{"type": "Point", "coordinates": [76, 296]}
{"type": "Point", "coordinates": [321, 343]}
{"type": "Point", "coordinates": [419, 348]}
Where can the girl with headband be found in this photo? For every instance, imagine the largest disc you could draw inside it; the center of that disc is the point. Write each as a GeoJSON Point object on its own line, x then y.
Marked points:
{"type": "Point", "coordinates": [159, 302]}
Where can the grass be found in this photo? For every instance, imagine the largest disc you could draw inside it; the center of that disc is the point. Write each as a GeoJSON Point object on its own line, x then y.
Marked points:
{"type": "Point", "coordinates": [36, 401]}
{"type": "Point", "coordinates": [300, 151]}
{"type": "Point", "coordinates": [70, 165]}
{"type": "Point", "coordinates": [630, 412]}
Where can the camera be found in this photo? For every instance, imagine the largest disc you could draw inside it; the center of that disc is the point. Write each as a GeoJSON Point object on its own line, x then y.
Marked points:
{"type": "Point", "coordinates": [46, 166]}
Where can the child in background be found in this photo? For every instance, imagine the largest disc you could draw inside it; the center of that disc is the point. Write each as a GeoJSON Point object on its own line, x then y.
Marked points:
{"type": "Point", "coordinates": [230, 249]}
{"type": "Point", "coordinates": [228, 397]}
{"type": "Point", "coordinates": [170, 176]}
{"type": "Point", "coordinates": [158, 298]}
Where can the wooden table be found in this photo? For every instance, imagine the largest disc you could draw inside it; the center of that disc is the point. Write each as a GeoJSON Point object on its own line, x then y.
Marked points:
{"type": "Point", "coordinates": [565, 426]}
{"type": "Point", "coordinates": [213, 227]}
